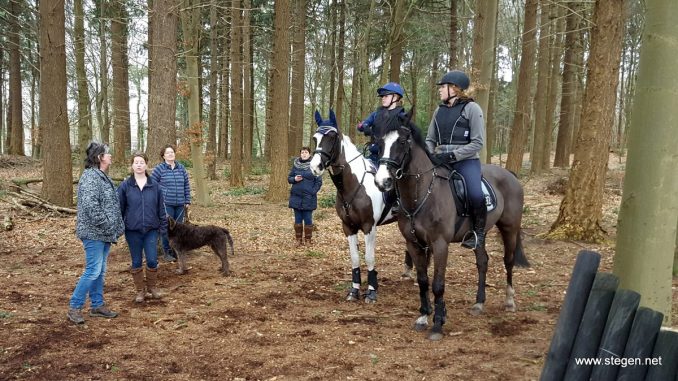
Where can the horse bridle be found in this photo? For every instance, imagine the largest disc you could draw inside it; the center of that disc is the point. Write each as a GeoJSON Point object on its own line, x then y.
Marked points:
{"type": "Point", "coordinates": [399, 166]}
{"type": "Point", "coordinates": [330, 156]}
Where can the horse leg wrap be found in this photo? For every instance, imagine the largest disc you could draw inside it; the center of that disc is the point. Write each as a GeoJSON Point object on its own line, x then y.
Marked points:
{"type": "Point", "coordinates": [355, 275]}
{"type": "Point", "coordinates": [440, 313]}
{"type": "Point", "coordinates": [372, 279]}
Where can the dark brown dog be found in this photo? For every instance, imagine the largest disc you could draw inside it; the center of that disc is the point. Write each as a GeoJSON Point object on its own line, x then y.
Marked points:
{"type": "Point", "coordinates": [186, 237]}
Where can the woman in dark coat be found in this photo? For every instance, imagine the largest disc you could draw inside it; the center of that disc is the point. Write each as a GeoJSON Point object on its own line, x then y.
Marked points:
{"type": "Point", "coordinates": [303, 195]}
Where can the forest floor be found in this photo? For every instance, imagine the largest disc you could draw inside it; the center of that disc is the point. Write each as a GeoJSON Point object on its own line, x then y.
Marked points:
{"type": "Point", "coordinates": [282, 314]}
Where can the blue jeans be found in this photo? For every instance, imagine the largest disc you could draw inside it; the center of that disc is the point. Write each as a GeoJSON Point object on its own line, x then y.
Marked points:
{"type": "Point", "coordinates": [92, 280]}
{"type": "Point", "coordinates": [303, 215]}
{"type": "Point", "coordinates": [143, 243]}
{"type": "Point", "coordinates": [470, 169]}
{"type": "Point", "coordinates": [176, 212]}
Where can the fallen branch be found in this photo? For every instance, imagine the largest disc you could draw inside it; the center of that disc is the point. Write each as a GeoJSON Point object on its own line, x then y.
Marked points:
{"type": "Point", "coordinates": [31, 199]}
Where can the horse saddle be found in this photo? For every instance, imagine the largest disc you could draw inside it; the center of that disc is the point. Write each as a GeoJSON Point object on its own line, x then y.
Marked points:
{"type": "Point", "coordinates": [458, 185]}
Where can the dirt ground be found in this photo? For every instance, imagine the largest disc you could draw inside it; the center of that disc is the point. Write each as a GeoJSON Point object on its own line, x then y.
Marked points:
{"type": "Point", "coordinates": [282, 313]}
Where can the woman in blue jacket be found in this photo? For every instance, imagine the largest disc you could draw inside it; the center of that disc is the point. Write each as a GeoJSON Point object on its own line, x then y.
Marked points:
{"type": "Point", "coordinates": [303, 195]}
{"type": "Point", "coordinates": [176, 191]}
{"type": "Point", "coordinates": [141, 204]}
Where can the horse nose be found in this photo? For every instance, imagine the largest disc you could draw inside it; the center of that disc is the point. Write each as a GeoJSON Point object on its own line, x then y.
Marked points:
{"type": "Point", "coordinates": [384, 185]}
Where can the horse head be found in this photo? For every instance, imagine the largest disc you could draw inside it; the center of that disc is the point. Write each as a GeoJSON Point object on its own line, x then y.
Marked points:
{"type": "Point", "coordinates": [328, 143]}
{"type": "Point", "coordinates": [394, 150]}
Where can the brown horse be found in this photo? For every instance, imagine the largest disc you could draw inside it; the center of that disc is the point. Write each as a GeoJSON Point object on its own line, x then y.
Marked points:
{"type": "Point", "coordinates": [429, 222]}
{"type": "Point", "coordinates": [359, 205]}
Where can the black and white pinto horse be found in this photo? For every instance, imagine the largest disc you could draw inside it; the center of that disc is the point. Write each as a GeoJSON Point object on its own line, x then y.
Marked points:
{"type": "Point", "coordinates": [360, 204]}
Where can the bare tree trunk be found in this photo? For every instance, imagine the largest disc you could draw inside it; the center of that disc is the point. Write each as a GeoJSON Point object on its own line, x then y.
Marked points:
{"type": "Point", "coordinates": [396, 40]}
{"type": "Point", "coordinates": [57, 185]}
{"type": "Point", "coordinates": [190, 21]}
{"type": "Point", "coordinates": [84, 125]}
{"type": "Point", "coordinates": [298, 73]}
{"type": "Point", "coordinates": [454, 35]}
{"type": "Point", "coordinates": [236, 178]}
{"type": "Point", "coordinates": [332, 51]}
{"type": "Point", "coordinates": [484, 57]}
{"type": "Point", "coordinates": [162, 98]}
{"type": "Point", "coordinates": [646, 238]}
{"type": "Point", "coordinates": [210, 156]}
{"type": "Point", "coordinates": [543, 71]}
{"type": "Point", "coordinates": [341, 94]}
{"type": "Point", "coordinates": [36, 131]}
{"type": "Point", "coordinates": [554, 84]}
{"type": "Point", "coordinates": [16, 126]}
{"type": "Point", "coordinates": [581, 209]}
{"type": "Point", "coordinates": [2, 102]}
{"type": "Point", "coordinates": [355, 90]}
{"type": "Point", "coordinates": [121, 115]}
{"type": "Point", "coordinates": [248, 90]}
{"type": "Point", "coordinates": [522, 114]}
{"type": "Point", "coordinates": [566, 120]}
{"type": "Point", "coordinates": [102, 97]}
{"type": "Point", "coordinates": [225, 87]}
{"type": "Point", "coordinates": [277, 189]}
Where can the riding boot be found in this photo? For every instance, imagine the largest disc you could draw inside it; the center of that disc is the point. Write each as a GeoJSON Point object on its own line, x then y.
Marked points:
{"type": "Point", "coordinates": [139, 284]}
{"type": "Point", "coordinates": [298, 232]}
{"type": "Point", "coordinates": [151, 281]}
{"type": "Point", "coordinates": [308, 234]}
{"type": "Point", "coordinates": [476, 238]}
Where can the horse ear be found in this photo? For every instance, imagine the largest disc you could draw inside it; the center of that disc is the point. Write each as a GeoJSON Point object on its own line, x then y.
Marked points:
{"type": "Point", "coordinates": [409, 115]}
{"type": "Point", "coordinates": [318, 118]}
{"type": "Point", "coordinates": [172, 222]}
{"type": "Point", "coordinates": [333, 118]}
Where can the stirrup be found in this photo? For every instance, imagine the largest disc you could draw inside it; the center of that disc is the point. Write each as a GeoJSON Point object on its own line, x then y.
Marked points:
{"type": "Point", "coordinates": [466, 242]}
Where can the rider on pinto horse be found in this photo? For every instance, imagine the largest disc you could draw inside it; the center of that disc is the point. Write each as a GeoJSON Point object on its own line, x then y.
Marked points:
{"type": "Point", "coordinates": [391, 95]}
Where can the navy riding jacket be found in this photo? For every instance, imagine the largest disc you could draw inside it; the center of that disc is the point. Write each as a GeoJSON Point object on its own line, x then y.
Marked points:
{"type": "Point", "coordinates": [142, 210]}
{"type": "Point", "coordinates": [303, 195]}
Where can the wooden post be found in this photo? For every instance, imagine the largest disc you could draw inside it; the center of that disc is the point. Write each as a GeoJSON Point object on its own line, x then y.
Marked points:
{"type": "Point", "coordinates": [641, 341]}
{"type": "Point", "coordinates": [666, 349]}
{"type": "Point", "coordinates": [592, 325]}
{"type": "Point", "coordinates": [583, 274]}
{"type": "Point", "coordinates": [617, 329]}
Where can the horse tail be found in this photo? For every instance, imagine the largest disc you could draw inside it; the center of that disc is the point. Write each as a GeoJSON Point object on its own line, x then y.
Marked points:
{"type": "Point", "coordinates": [519, 258]}
{"type": "Point", "coordinates": [230, 240]}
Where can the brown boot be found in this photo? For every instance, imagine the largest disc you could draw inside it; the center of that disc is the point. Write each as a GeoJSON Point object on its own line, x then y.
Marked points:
{"type": "Point", "coordinates": [138, 276]}
{"type": "Point", "coordinates": [308, 233]}
{"type": "Point", "coordinates": [298, 231]}
{"type": "Point", "coordinates": [151, 281]}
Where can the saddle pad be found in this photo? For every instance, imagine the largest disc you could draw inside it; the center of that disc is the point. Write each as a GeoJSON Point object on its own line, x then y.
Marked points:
{"type": "Point", "coordinates": [458, 185]}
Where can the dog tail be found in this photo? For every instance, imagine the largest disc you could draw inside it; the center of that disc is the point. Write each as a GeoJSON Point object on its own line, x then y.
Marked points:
{"type": "Point", "coordinates": [230, 240]}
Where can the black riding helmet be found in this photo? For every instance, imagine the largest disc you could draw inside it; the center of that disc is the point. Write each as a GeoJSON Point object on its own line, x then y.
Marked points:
{"type": "Point", "coordinates": [456, 77]}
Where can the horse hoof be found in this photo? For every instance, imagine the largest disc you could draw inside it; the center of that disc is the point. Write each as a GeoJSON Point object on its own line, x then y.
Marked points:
{"type": "Point", "coordinates": [477, 309]}
{"type": "Point", "coordinates": [421, 323]}
{"type": "Point", "coordinates": [371, 296]}
{"type": "Point", "coordinates": [420, 327]}
{"type": "Point", "coordinates": [510, 308]}
{"type": "Point", "coordinates": [180, 272]}
{"type": "Point", "coordinates": [435, 336]}
{"type": "Point", "coordinates": [353, 295]}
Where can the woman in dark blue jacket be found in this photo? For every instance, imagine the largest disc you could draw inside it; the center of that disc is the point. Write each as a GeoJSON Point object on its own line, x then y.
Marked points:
{"type": "Point", "coordinates": [176, 191]}
{"type": "Point", "coordinates": [303, 195]}
{"type": "Point", "coordinates": [141, 204]}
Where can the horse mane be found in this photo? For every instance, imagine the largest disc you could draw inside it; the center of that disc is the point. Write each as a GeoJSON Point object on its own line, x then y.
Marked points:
{"type": "Point", "coordinates": [395, 122]}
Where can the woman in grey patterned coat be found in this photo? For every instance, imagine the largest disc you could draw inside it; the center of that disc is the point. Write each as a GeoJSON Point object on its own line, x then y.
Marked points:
{"type": "Point", "coordinates": [98, 224]}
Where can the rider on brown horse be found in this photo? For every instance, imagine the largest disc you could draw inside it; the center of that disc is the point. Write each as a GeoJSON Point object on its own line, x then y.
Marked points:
{"type": "Point", "coordinates": [455, 137]}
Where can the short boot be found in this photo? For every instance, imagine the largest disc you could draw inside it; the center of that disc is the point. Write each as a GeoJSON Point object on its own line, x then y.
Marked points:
{"type": "Point", "coordinates": [151, 281]}
{"type": "Point", "coordinates": [139, 284]}
{"type": "Point", "coordinates": [476, 238]}
{"type": "Point", "coordinates": [298, 233]}
{"type": "Point", "coordinates": [308, 234]}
